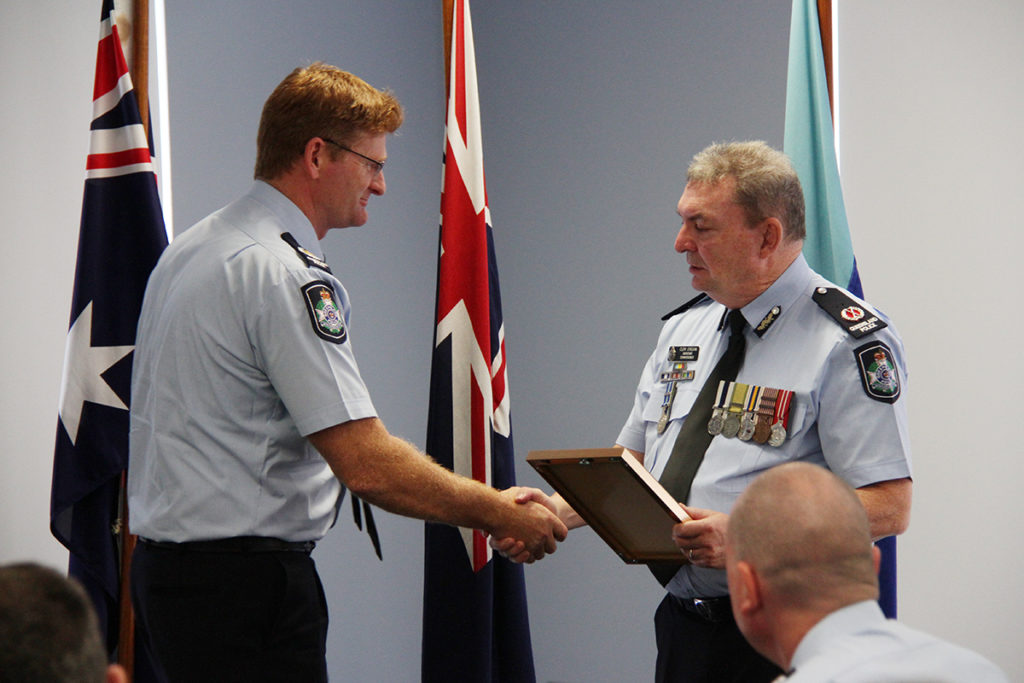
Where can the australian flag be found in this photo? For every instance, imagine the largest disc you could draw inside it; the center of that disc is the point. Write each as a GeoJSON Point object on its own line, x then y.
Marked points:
{"type": "Point", "coordinates": [475, 623]}
{"type": "Point", "coordinates": [120, 238]}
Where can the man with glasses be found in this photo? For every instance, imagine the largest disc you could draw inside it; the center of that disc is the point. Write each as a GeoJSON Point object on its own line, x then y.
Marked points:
{"type": "Point", "coordinates": [249, 414]}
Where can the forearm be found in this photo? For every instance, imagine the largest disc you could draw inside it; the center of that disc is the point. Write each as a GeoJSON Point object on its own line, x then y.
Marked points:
{"type": "Point", "coordinates": [393, 474]}
{"type": "Point", "coordinates": [888, 506]}
{"type": "Point", "coordinates": [564, 512]}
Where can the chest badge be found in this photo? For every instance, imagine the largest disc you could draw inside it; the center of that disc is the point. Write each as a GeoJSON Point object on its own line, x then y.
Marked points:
{"type": "Point", "coordinates": [673, 371]}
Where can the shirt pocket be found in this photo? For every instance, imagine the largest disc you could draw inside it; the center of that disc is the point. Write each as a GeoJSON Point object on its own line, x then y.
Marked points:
{"type": "Point", "coordinates": [737, 463]}
{"type": "Point", "coordinates": [682, 402]}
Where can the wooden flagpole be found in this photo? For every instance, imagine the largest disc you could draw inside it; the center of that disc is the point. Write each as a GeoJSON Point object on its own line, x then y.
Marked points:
{"type": "Point", "coordinates": [448, 11]}
{"type": "Point", "coordinates": [140, 82]}
{"type": "Point", "coordinates": [825, 29]}
{"type": "Point", "coordinates": [140, 58]}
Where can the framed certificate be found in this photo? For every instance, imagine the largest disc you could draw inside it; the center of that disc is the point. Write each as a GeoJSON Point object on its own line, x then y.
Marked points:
{"type": "Point", "coordinates": [624, 504]}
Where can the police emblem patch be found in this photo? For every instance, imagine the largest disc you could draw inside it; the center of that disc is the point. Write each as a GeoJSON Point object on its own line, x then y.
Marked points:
{"type": "Point", "coordinates": [852, 313]}
{"type": "Point", "coordinates": [324, 313]}
{"type": "Point", "coordinates": [878, 372]}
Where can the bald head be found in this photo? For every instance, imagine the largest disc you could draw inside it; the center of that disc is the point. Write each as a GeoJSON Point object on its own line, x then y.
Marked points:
{"type": "Point", "coordinates": [806, 533]}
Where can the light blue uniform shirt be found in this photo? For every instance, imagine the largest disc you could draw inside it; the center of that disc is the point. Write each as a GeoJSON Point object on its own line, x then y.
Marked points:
{"type": "Point", "coordinates": [857, 644]}
{"type": "Point", "coordinates": [231, 373]}
{"type": "Point", "coordinates": [833, 421]}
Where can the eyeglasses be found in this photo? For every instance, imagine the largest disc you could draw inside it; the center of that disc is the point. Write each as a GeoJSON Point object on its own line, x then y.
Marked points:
{"type": "Point", "coordinates": [376, 166]}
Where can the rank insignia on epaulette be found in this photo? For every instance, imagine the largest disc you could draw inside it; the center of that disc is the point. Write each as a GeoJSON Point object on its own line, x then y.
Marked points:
{"type": "Point", "coordinates": [878, 372]}
{"type": "Point", "coordinates": [308, 257]}
{"type": "Point", "coordinates": [324, 313]}
{"type": "Point", "coordinates": [850, 314]}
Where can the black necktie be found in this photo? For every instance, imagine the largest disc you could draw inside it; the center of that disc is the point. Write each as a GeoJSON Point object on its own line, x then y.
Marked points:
{"type": "Point", "coordinates": [694, 438]}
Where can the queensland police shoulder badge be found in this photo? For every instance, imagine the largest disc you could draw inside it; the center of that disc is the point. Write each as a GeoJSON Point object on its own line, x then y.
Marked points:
{"type": "Point", "coordinates": [846, 311]}
{"type": "Point", "coordinates": [878, 372]}
{"type": "Point", "coordinates": [328, 322]}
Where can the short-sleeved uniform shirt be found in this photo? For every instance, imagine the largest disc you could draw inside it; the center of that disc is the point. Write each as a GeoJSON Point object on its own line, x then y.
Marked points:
{"type": "Point", "coordinates": [857, 644]}
{"type": "Point", "coordinates": [841, 416]}
{"type": "Point", "coordinates": [243, 349]}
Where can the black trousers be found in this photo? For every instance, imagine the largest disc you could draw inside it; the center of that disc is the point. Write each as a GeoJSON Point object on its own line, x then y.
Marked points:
{"type": "Point", "coordinates": [695, 649]}
{"type": "Point", "coordinates": [230, 616]}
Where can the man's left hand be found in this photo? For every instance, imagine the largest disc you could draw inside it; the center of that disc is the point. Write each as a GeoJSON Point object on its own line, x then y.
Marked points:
{"type": "Point", "coordinates": [702, 537]}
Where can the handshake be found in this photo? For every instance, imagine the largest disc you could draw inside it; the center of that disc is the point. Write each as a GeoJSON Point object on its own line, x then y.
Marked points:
{"type": "Point", "coordinates": [532, 525]}
{"type": "Point", "coordinates": [538, 521]}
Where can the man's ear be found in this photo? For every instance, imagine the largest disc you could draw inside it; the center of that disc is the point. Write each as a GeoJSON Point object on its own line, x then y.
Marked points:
{"type": "Point", "coordinates": [747, 597]}
{"type": "Point", "coordinates": [771, 235]}
{"type": "Point", "coordinates": [313, 156]}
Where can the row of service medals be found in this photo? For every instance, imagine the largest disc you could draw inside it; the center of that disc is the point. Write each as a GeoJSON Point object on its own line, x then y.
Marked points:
{"type": "Point", "coordinates": [750, 412]}
{"type": "Point", "coordinates": [747, 412]}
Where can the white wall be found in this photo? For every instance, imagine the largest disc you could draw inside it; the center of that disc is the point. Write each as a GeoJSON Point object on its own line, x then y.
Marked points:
{"type": "Point", "coordinates": [931, 98]}
{"type": "Point", "coordinates": [47, 61]}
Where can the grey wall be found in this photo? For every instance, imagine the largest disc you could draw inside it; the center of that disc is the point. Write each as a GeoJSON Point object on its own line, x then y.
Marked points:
{"type": "Point", "coordinates": [590, 113]}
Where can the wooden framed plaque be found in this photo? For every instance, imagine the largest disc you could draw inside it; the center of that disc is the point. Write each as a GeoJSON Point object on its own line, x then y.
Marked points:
{"type": "Point", "coordinates": [624, 504]}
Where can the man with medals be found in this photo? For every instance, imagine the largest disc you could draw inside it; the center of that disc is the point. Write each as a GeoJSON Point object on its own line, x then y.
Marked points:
{"type": "Point", "coordinates": [814, 383]}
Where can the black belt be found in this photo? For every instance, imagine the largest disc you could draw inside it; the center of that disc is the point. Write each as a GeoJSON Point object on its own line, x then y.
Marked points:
{"type": "Point", "coordinates": [716, 610]}
{"type": "Point", "coordinates": [238, 544]}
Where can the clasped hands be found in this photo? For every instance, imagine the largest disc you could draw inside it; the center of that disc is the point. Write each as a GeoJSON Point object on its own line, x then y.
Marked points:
{"type": "Point", "coordinates": [537, 514]}
{"type": "Point", "coordinates": [533, 528]}
{"type": "Point", "coordinates": [701, 538]}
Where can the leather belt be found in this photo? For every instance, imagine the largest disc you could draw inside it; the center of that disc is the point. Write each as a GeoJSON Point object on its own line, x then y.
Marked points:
{"type": "Point", "coordinates": [238, 544]}
{"type": "Point", "coordinates": [715, 610]}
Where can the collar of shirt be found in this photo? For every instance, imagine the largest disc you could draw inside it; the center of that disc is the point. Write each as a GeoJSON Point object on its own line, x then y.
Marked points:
{"type": "Point", "coordinates": [842, 622]}
{"type": "Point", "coordinates": [793, 282]}
{"type": "Point", "coordinates": [289, 214]}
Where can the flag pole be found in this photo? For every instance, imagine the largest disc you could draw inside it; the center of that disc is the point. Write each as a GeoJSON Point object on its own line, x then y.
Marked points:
{"type": "Point", "coordinates": [126, 624]}
{"type": "Point", "coordinates": [825, 30]}
{"type": "Point", "coordinates": [140, 58]}
{"type": "Point", "coordinates": [447, 11]}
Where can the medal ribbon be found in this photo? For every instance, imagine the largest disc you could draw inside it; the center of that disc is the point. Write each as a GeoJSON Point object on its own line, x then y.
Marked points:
{"type": "Point", "coordinates": [782, 407]}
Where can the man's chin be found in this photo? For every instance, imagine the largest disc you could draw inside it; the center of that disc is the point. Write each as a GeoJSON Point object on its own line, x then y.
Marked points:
{"type": "Point", "coordinates": [699, 282]}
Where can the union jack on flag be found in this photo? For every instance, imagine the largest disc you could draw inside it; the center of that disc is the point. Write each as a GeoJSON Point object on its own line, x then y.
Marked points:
{"type": "Point", "coordinates": [120, 239]}
{"type": "Point", "coordinates": [474, 605]}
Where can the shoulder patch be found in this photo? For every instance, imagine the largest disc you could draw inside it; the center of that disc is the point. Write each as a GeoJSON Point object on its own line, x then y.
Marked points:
{"type": "Point", "coordinates": [309, 258]}
{"type": "Point", "coordinates": [685, 307]}
{"type": "Point", "coordinates": [878, 372]}
{"type": "Point", "coordinates": [850, 314]}
{"type": "Point", "coordinates": [328, 322]}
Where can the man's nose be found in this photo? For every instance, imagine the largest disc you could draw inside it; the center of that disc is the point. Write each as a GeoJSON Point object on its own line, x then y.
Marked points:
{"type": "Point", "coordinates": [379, 185]}
{"type": "Point", "coordinates": [684, 243]}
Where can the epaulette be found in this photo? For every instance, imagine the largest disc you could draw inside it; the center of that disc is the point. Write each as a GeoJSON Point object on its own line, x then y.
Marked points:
{"type": "Point", "coordinates": [308, 257]}
{"type": "Point", "coordinates": [850, 314]}
{"type": "Point", "coordinates": [685, 307]}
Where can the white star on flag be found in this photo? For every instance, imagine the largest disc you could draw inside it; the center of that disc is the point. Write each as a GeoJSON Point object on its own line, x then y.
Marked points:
{"type": "Point", "coordinates": [83, 366]}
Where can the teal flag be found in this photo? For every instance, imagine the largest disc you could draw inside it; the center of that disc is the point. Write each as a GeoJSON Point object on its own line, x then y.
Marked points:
{"type": "Point", "coordinates": [810, 143]}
